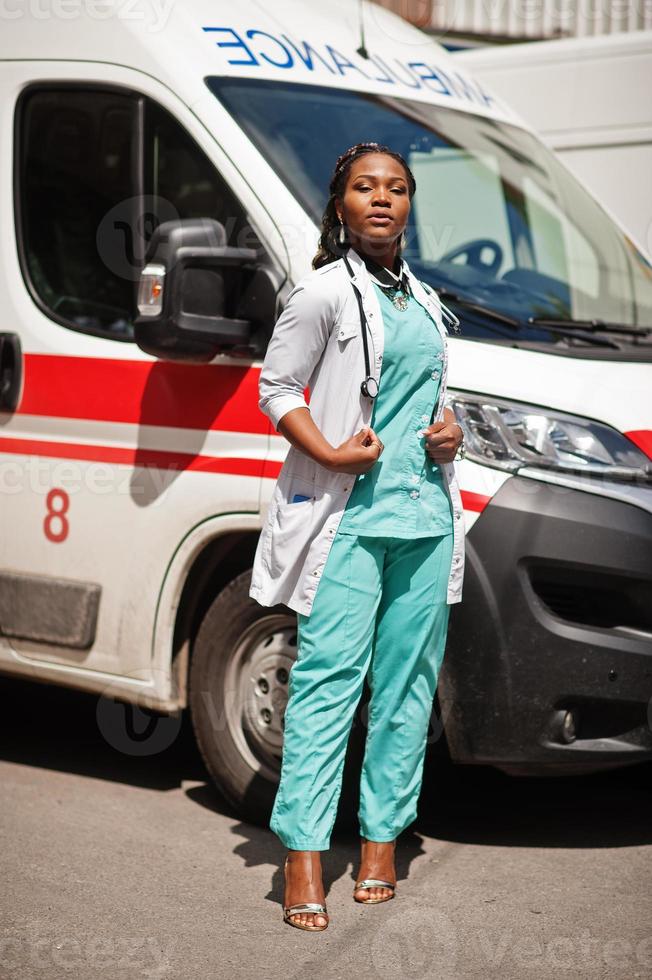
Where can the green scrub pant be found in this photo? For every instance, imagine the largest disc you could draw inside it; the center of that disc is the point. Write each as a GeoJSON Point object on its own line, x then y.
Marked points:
{"type": "Point", "coordinates": [380, 608]}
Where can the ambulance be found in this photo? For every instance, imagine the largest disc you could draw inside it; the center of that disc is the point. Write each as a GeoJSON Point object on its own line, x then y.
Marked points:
{"type": "Point", "coordinates": [163, 171]}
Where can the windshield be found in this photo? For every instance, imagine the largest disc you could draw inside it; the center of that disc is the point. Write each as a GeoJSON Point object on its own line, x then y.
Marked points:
{"type": "Point", "coordinates": [496, 220]}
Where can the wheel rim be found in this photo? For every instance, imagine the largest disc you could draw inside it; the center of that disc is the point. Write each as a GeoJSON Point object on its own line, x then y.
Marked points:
{"type": "Point", "coordinates": [257, 681]}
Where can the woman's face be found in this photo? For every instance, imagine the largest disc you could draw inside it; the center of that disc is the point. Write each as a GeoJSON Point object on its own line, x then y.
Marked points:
{"type": "Point", "coordinates": [376, 202]}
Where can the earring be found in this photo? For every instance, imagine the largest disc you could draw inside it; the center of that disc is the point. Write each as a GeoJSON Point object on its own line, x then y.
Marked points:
{"type": "Point", "coordinates": [342, 234]}
{"type": "Point", "coordinates": [403, 242]}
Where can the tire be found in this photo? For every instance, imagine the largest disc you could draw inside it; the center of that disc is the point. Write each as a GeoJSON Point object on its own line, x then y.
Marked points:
{"type": "Point", "coordinates": [238, 684]}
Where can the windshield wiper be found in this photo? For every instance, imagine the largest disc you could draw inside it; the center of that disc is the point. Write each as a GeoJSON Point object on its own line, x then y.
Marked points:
{"type": "Point", "coordinates": [469, 304]}
{"type": "Point", "coordinates": [593, 326]}
{"type": "Point", "coordinates": [559, 327]}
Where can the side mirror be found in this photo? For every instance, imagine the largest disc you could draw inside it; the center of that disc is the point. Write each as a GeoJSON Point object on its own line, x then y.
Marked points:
{"type": "Point", "coordinates": [199, 297]}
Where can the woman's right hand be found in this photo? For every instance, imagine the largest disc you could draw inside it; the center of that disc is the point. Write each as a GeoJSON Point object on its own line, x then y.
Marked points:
{"type": "Point", "coordinates": [358, 454]}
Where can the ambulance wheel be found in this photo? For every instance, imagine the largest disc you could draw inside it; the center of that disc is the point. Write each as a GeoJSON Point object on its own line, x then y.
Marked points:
{"type": "Point", "coordinates": [238, 689]}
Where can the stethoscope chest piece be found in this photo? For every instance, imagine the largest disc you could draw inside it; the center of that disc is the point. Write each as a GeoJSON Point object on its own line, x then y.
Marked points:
{"type": "Point", "coordinates": [369, 387]}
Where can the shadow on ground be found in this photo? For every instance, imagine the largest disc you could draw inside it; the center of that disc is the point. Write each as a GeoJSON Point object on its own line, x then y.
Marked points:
{"type": "Point", "coordinates": [51, 727]}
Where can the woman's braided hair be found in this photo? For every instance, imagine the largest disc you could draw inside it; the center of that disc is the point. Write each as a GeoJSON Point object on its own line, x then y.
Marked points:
{"type": "Point", "coordinates": [329, 247]}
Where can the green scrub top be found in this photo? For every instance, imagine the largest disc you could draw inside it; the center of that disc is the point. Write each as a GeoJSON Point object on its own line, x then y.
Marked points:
{"type": "Point", "coordinates": [403, 495]}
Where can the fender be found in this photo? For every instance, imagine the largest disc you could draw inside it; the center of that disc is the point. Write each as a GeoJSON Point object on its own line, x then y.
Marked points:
{"type": "Point", "coordinates": [169, 684]}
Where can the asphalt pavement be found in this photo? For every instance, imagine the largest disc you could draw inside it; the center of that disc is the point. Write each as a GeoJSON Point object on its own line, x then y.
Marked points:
{"type": "Point", "coordinates": [115, 865]}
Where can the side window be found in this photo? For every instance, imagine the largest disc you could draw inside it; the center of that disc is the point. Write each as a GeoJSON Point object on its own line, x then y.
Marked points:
{"type": "Point", "coordinates": [98, 171]}
{"type": "Point", "coordinates": [76, 161]}
{"type": "Point", "coordinates": [183, 183]}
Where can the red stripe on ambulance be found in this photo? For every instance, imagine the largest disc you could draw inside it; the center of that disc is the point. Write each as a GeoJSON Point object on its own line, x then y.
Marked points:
{"type": "Point", "coordinates": [643, 439]}
{"type": "Point", "coordinates": [164, 459]}
{"type": "Point", "coordinates": [474, 501]}
{"type": "Point", "coordinates": [134, 457]}
{"type": "Point", "coordinates": [187, 396]}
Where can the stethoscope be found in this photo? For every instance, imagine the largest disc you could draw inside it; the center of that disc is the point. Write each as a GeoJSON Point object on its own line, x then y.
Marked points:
{"type": "Point", "coordinates": [369, 387]}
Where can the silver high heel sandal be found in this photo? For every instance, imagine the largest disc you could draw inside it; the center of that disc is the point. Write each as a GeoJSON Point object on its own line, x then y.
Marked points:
{"type": "Point", "coordinates": [313, 907]}
{"type": "Point", "coordinates": [373, 883]}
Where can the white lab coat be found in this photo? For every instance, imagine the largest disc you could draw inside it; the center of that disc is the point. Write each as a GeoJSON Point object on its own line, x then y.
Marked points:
{"type": "Point", "coordinates": [317, 342]}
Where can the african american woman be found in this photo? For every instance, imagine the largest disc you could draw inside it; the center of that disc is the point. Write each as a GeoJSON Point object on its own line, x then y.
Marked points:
{"type": "Point", "coordinates": [364, 535]}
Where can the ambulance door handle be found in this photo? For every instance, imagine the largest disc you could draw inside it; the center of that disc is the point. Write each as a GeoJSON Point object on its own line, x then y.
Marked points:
{"type": "Point", "coordinates": [11, 371]}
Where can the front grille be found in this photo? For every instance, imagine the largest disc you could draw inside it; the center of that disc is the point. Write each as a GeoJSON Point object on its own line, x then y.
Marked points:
{"type": "Point", "coordinates": [592, 597]}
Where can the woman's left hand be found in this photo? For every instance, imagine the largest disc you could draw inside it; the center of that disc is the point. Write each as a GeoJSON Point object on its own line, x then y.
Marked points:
{"type": "Point", "coordinates": [443, 439]}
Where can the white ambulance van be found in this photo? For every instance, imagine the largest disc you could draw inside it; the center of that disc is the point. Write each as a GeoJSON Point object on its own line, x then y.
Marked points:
{"type": "Point", "coordinates": [163, 170]}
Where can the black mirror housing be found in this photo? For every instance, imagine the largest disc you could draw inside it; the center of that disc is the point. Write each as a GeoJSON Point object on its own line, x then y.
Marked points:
{"type": "Point", "coordinates": [204, 281]}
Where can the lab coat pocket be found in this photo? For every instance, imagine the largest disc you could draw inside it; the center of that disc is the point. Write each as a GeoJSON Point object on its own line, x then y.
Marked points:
{"type": "Point", "coordinates": [291, 529]}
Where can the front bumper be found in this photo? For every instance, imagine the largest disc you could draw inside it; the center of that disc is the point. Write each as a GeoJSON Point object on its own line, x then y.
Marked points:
{"type": "Point", "coordinates": [556, 616]}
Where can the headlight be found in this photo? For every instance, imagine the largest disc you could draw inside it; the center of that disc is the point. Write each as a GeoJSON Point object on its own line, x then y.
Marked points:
{"type": "Point", "coordinates": [510, 435]}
